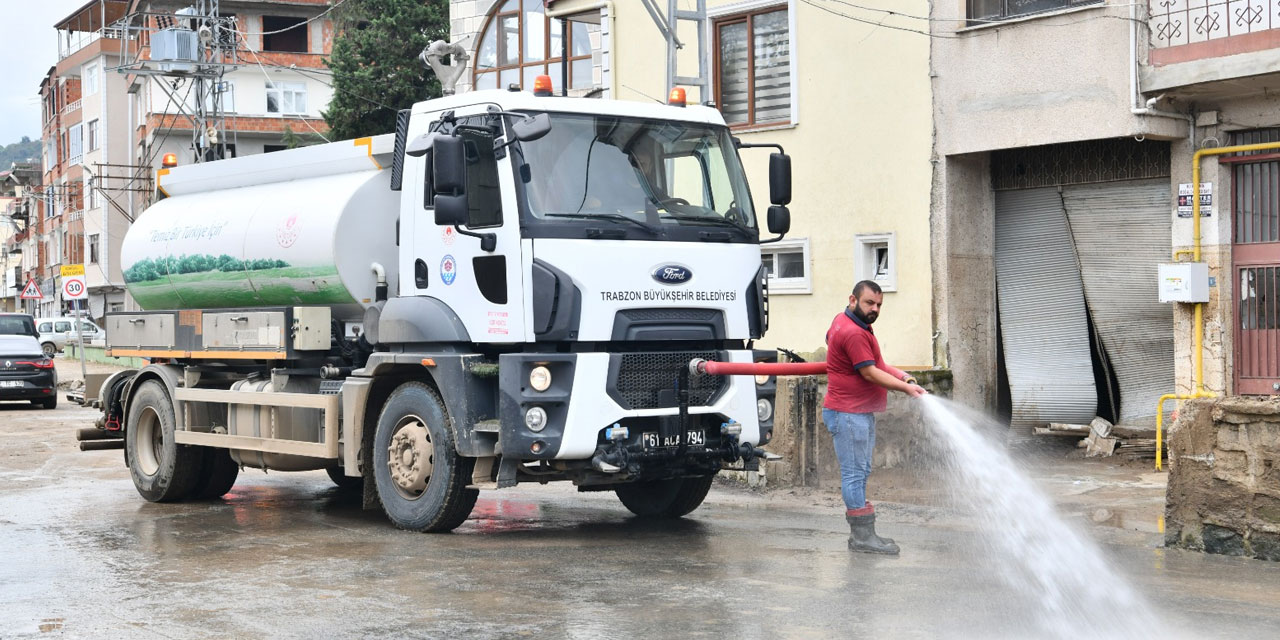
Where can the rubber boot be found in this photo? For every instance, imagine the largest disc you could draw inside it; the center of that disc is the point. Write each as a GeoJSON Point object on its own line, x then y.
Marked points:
{"type": "Point", "coordinates": [863, 538]}
{"type": "Point", "coordinates": [884, 540]}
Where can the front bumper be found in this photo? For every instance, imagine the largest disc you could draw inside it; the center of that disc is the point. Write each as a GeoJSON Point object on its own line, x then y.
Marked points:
{"type": "Point", "coordinates": [584, 399]}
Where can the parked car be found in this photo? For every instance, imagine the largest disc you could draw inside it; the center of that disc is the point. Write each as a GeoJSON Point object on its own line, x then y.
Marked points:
{"type": "Point", "coordinates": [26, 373]}
{"type": "Point", "coordinates": [56, 333]}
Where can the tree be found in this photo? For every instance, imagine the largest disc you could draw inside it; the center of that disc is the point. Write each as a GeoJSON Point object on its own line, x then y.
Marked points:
{"type": "Point", "coordinates": [376, 70]}
{"type": "Point", "coordinates": [293, 140]}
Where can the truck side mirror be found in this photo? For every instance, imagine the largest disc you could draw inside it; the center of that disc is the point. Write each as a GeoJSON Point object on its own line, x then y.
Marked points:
{"type": "Point", "coordinates": [451, 210]}
{"type": "Point", "coordinates": [449, 165]}
{"type": "Point", "coordinates": [530, 128]}
{"type": "Point", "coordinates": [449, 180]}
{"type": "Point", "coordinates": [779, 180]}
{"type": "Point", "coordinates": [779, 220]}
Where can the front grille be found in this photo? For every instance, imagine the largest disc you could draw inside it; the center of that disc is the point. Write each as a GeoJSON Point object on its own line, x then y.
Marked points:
{"type": "Point", "coordinates": [641, 377]}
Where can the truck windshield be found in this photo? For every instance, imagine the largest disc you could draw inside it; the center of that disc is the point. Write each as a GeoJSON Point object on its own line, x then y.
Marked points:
{"type": "Point", "coordinates": [656, 178]}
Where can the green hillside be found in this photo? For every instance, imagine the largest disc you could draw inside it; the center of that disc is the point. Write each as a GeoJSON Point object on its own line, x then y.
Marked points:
{"type": "Point", "coordinates": [28, 149]}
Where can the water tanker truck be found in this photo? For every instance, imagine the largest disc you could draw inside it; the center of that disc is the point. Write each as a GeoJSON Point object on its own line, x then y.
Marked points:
{"type": "Point", "coordinates": [509, 289]}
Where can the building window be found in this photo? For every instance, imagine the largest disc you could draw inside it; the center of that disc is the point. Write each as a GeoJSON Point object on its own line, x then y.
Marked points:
{"type": "Point", "coordinates": [519, 44]}
{"type": "Point", "coordinates": [90, 84]}
{"type": "Point", "coordinates": [986, 10]}
{"type": "Point", "coordinates": [91, 195]}
{"type": "Point", "coordinates": [286, 97]}
{"type": "Point", "coordinates": [220, 98]}
{"type": "Point", "coordinates": [75, 143]}
{"type": "Point", "coordinates": [753, 67]}
{"type": "Point", "coordinates": [786, 265]}
{"type": "Point", "coordinates": [282, 33]}
{"type": "Point", "coordinates": [93, 248]}
{"type": "Point", "coordinates": [272, 148]}
{"type": "Point", "coordinates": [93, 135]}
{"type": "Point", "coordinates": [875, 258]}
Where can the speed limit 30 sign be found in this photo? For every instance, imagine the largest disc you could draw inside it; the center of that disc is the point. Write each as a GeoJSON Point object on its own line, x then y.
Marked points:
{"type": "Point", "coordinates": [73, 287]}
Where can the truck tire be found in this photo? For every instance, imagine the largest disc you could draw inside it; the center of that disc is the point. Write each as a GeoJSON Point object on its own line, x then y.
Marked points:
{"type": "Point", "coordinates": [162, 470]}
{"type": "Point", "coordinates": [665, 498]}
{"type": "Point", "coordinates": [343, 481]}
{"type": "Point", "coordinates": [218, 474]}
{"type": "Point", "coordinates": [424, 486]}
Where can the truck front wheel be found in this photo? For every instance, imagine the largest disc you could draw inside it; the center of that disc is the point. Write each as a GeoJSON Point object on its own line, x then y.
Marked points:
{"type": "Point", "coordinates": [421, 479]}
{"type": "Point", "coordinates": [665, 498]}
{"type": "Point", "coordinates": [162, 469]}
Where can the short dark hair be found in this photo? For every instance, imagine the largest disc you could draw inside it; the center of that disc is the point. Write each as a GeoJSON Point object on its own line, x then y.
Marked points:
{"type": "Point", "coordinates": [864, 285]}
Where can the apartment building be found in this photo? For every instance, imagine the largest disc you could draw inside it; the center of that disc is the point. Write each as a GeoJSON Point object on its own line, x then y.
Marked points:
{"type": "Point", "coordinates": [1065, 138]}
{"type": "Point", "coordinates": [111, 113]}
{"type": "Point", "coordinates": [846, 97]}
{"type": "Point", "coordinates": [16, 206]}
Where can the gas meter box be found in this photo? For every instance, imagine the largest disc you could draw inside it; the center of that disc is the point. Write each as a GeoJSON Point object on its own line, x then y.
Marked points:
{"type": "Point", "coordinates": [1184, 282]}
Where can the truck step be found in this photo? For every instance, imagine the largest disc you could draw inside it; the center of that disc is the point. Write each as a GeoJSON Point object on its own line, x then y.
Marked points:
{"type": "Point", "coordinates": [487, 426]}
{"type": "Point", "coordinates": [483, 485]}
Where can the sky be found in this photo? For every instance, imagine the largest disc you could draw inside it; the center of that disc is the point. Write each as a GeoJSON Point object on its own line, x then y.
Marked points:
{"type": "Point", "coordinates": [28, 47]}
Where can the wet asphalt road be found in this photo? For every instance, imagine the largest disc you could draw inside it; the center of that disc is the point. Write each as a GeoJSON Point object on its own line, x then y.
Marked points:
{"type": "Point", "coordinates": [290, 556]}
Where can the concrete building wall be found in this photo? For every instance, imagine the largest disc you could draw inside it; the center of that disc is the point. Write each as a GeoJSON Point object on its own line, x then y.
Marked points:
{"type": "Point", "coordinates": [859, 135]}
{"type": "Point", "coordinates": [1049, 78]}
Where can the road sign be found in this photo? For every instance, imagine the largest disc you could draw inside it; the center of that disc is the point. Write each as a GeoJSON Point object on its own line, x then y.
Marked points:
{"type": "Point", "coordinates": [73, 288]}
{"type": "Point", "coordinates": [31, 291]}
{"type": "Point", "coordinates": [69, 270]}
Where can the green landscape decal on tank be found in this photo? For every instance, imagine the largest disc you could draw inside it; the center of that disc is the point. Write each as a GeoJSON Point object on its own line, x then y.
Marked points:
{"type": "Point", "coordinates": [211, 282]}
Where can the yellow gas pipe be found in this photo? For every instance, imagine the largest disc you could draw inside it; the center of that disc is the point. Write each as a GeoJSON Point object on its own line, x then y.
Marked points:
{"type": "Point", "coordinates": [1198, 335]}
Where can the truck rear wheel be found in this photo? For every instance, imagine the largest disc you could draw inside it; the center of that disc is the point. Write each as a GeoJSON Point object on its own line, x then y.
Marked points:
{"type": "Point", "coordinates": [162, 470]}
{"type": "Point", "coordinates": [421, 479]}
{"type": "Point", "coordinates": [217, 475]}
{"type": "Point", "coordinates": [665, 498]}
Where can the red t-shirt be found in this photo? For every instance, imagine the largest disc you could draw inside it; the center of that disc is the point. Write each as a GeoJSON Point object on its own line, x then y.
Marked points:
{"type": "Point", "coordinates": [852, 345]}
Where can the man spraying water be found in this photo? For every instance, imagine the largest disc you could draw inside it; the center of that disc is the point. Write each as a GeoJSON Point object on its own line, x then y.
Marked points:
{"type": "Point", "coordinates": [858, 382]}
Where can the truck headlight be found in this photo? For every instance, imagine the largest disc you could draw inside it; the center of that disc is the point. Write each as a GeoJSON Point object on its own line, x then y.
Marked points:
{"type": "Point", "coordinates": [535, 419]}
{"type": "Point", "coordinates": [764, 409]}
{"type": "Point", "coordinates": [540, 378]}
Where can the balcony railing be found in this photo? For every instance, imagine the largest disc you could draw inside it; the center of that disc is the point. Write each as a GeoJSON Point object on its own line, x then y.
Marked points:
{"type": "Point", "coordinates": [71, 107]}
{"type": "Point", "coordinates": [1179, 22]}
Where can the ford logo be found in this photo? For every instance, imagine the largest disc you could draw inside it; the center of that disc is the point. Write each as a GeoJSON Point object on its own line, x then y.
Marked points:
{"type": "Point", "coordinates": [672, 274]}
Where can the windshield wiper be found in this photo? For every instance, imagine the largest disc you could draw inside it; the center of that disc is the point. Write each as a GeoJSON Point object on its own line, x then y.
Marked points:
{"type": "Point", "coordinates": [712, 220]}
{"type": "Point", "coordinates": [616, 217]}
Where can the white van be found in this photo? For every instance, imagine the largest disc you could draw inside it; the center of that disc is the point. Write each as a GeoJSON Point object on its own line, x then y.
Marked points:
{"type": "Point", "coordinates": [55, 333]}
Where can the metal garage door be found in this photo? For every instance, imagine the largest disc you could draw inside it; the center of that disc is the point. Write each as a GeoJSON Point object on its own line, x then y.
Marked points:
{"type": "Point", "coordinates": [1043, 326]}
{"type": "Point", "coordinates": [1122, 231]}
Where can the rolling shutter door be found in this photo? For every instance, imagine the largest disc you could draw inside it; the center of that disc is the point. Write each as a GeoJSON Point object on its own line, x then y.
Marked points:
{"type": "Point", "coordinates": [1121, 232]}
{"type": "Point", "coordinates": [1043, 325]}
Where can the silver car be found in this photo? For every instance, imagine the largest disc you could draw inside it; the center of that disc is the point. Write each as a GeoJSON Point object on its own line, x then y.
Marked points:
{"type": "Point", "coordinates": [55, 333]}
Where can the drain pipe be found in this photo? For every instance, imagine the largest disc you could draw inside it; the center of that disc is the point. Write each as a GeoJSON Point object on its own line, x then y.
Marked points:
{"type": "Point", "coordinates": [1197, 344]}
{"type": "Point", "coordinates": [1136, 106]}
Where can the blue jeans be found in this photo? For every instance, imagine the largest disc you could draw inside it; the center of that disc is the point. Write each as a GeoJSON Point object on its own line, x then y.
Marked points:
{"type": "Point", "coordinates": [854, 437]}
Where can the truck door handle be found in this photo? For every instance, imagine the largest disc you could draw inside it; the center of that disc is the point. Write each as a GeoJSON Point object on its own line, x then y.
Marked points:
{"type": "Point", "coordinates": [239, 318]}
{"type": "Point", "coordinates": [138, 321]}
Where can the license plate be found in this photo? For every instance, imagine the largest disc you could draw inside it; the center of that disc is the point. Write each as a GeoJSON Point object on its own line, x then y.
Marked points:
{"type": "Point", "coordinates": [11, 384]}
{"type": "Point", "coordinates": [654, 441]}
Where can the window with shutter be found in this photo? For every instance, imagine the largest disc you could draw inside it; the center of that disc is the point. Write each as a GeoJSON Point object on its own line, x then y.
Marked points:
{"type": "Point", "coordinates": [753, 68]}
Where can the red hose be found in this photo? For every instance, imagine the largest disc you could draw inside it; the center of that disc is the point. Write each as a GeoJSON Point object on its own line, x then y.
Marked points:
{"type": "Point", "coordinates": [761, 368]}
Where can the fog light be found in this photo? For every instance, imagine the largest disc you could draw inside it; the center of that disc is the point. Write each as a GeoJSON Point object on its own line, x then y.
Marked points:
{"type": "Point", "coordinates": [762, 379]}
{"type": "Point", "coordinates": [764, 409]}
{"type": "Point", "coordinates": [535, 419]}
{"type": "Point", "coordinates": [537, 446]}
{"type": "Point", "coordinates": [540, 378]}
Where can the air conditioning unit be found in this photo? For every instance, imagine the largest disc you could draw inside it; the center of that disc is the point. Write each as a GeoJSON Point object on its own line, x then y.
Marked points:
{"type": "Point", "coordinates": [175, 49]}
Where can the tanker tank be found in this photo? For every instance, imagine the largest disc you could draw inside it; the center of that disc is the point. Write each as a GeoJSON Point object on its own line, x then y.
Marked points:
{"type": "Point", "coordinates": [300, 227]}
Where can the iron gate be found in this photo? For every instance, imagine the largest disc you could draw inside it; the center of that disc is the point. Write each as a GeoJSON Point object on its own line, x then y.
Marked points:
{"type": "Point", "coordinates": [1255, 257]}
